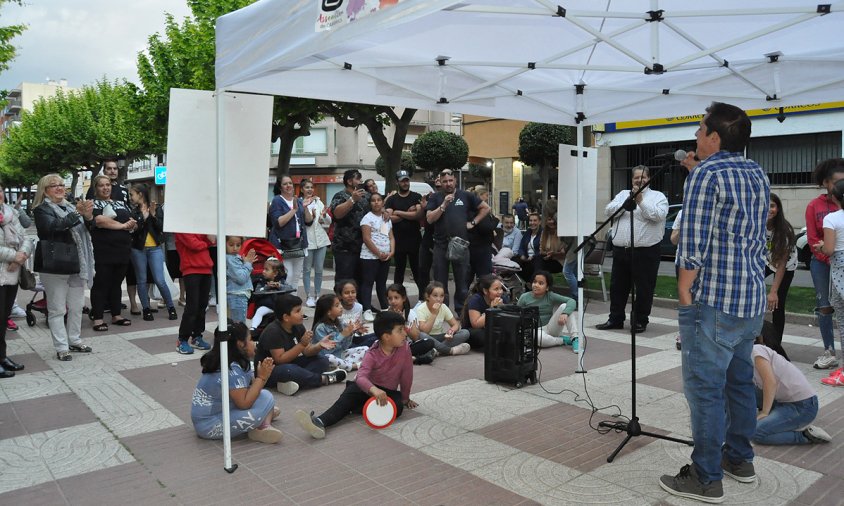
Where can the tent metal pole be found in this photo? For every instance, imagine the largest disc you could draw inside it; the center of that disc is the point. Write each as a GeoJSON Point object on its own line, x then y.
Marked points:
{"type": "Point", "coordinates": [654, 34]}
{"type": "Point", "coordinates": [579, 269]}
{"type": "Point", "coordinates": [221, 277]}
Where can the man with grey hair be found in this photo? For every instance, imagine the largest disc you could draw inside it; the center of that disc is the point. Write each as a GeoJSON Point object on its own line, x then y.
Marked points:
{"type": "Point", "coordinates": [635, 259]}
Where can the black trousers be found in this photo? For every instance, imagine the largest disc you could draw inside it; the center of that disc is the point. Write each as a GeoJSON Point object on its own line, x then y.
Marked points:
{"type": "Point", "coordinates": [7, 300]}
{"type": "Point", "coordinates": [775, 342]}
{"type": "Point", "coordinates": [477, 338]}
{"type": "Point", "coordinates": [373, 272]}
{"type": "Point", "coordinates": [346, 267]}
{"type": "Point", "coordinates": [421, 347]}
{"type": "Point", "coordinates": [352, 400]}
{"type": "Point", "coordinates": [197, 288]}
{"type": "Point", "coordinates": [426, 261]}
{"type": "Point", "coordinates": [643, 271]}
{"type": "Point", "coordinates": [106, 291]}
{"type": "Point", "coordinates": [480, 261]}
{"type": "Point", "coordinates": [407, 253]}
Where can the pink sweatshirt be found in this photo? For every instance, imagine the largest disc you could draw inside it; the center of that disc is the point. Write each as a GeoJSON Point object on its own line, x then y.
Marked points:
{"type": "Point", "coordinates": [389, 371]}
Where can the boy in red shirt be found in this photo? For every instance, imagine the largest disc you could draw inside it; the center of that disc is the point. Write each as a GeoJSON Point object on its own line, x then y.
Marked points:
{"type": "Point", "coordinates": [196, 267]}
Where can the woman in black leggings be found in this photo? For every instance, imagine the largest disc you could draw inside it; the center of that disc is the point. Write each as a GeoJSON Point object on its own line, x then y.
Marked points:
{"type": "Point", "coordinates": [781, 261]}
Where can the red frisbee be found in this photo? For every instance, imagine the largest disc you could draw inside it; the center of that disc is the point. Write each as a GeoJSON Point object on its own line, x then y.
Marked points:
{"type": "Point", "coordinates": [379, 417]}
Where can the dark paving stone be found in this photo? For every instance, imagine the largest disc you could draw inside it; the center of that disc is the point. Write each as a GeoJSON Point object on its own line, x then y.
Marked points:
{"type": "Point", "coordinates": [41, 414]}
{"type": "Point", "coordinates": [125, 485]}
{"type": "Point", "coordinates": [827, 491]}
{"type": "Point", "coordinates": [32, 363]}
{"type": "Point", "coordinates": [10, 426]}
{"type": "Point", "coordinates": [561, 433]}
{"type": "Point", "coordinates": [47, 494]}
{"type": "Point", "coordinates": [170, 386]}
{"type": "Point", "coordinates": [672, 379]}
{"type": "Point", "coordinates": [157, 344]}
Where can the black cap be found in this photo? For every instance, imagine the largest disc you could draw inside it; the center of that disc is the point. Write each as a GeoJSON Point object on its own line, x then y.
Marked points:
{"type": "Point", "coordinates": [402, 174]}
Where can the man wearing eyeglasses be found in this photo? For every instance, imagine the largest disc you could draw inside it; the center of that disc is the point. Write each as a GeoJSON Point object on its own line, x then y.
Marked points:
{"type": "Point", "coordinates": [453, 212]}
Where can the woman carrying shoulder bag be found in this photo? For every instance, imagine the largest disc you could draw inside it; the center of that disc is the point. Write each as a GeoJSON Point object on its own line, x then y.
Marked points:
{"type": "Point", "coordinates": [65, 258]}
{"type": "Point", "coordinates": [15, 248]}
{"type": "Point", "coordinates": [289, 218]}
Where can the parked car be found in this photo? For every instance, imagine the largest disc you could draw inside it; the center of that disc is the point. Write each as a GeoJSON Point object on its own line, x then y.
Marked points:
{"type": "Point", "coordinates": [667, 249]}
{"type": "Point", "coordinates": [804, 251]}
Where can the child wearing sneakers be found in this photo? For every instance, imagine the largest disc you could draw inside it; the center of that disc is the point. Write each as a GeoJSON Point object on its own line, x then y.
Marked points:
{"type": "Point", "coordinates": [435, 320]}
{"type": "Point", "coordinates": [297, 359]}
{"type": "Point", "coordinates": [327, 326]}
{"type": "Point", "coordinates": [387, 371]}
{"type": "Point", "coordinates": [786, 400]}
{"type": "Point", "coordinates": [252, 408]}
{"type": "Point", "coordinates": [195, 265]}
{"type": "Point", "coordinates": [265, 286]}
{"type": "Point", "coordinates": [832, 245]}
{"type": "Point", "coordinates": [238, 280]}
{"type": "Point", "coordinates": [555, 312]}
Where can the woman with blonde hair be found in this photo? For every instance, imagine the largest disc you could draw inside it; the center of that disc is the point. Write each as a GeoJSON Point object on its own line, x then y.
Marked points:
{"type": "Point", "coordinates": [15, 248]}
{"type": "Point", "coordinates": [59, 221]}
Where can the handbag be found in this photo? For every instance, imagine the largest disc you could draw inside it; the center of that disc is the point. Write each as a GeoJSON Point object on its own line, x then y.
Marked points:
{"type": "Point", "coordinates": [26, 280]}
{"type": "Point", "coordinates": [56, 257]}
{"type": "Point", "coordinates": [292, 248]}
{"type": "Point", "coordinates": [458, 249]}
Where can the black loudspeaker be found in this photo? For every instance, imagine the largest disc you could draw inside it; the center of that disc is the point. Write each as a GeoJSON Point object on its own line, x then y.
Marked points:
{"type": "Point", "coordinates": [510, 354]}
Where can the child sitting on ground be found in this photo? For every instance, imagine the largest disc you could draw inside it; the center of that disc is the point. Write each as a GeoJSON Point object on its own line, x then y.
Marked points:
{"type": "Point", "coordinates": [238, 277]}
{"type": "Point", "coordinates": [347, 290]}
{"type": "Point", "coordinates": [555, 312]}
{"type": "Point", "coordinates": [298, 363]}
{"type": "Point", "coordinates": [251, 407]}
{"type": "Point", "coordinates": [327, 326]}
{"type": "Point", "coordinates": [387, 371]}
{"type": "Point", "coordinates": [786, 400]}
{"type": "Point", "coordinates": [266, 285]}
{"type": "Point", "coordinates": [435, 320]}
{"type": "Point", "coordinates": [421, 348]}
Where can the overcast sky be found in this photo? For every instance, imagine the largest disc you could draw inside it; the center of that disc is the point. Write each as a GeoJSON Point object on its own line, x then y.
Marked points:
{"type": "Point", "coordinates": [82, 40]}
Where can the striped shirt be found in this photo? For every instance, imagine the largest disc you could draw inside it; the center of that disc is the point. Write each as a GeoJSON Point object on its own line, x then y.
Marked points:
{"type": "Point", "coordinates": [725, 211]}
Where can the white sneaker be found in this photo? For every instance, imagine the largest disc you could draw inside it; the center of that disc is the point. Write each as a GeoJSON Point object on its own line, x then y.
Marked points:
{"type": "Point", "coordinates": [287, 387]}
{"type": "Point", "coordinates": [816, 434]}
{"type": "Point", "coordinates": [461, 349]}
{"type": "Point", "coordinates": [826, 361]}
{"type": "Point", "coordinates": [311, 302]}
{"type": "Point", "coordinates": [17, 312]}
{"type": "Point", "coordinates": [368, 315]}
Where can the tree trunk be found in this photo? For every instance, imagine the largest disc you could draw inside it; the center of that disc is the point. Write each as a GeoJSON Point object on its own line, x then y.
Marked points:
{"type": "Point", "coordinates": [289, 132]}
{"type": "Point", "coordinates": [390, 153]}
{"type": "Point", "coordinates": [73, 183]}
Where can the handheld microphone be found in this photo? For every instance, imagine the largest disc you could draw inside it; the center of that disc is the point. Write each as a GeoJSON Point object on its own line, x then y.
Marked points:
{"type": "Point", "coordinates": [678, 155]}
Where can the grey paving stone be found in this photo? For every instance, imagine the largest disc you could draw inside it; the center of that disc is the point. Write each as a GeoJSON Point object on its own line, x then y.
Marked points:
{"type": "Point", "coordinates": [31, 386]}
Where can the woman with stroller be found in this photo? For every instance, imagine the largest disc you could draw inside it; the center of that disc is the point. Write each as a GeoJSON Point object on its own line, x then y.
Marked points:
{"type": "Point", "coordinates": [15, 248]}
{"type": "Point", "coordinates": [112, 239]}
{"type": "Point", "coordinates": [59, 221]}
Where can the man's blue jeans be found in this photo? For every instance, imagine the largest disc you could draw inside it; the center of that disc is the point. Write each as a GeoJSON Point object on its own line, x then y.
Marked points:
{"type": "Point", "coordinates": [718, 380]}
{"type": "Point", "coordinates": [570, 273]}
{"type": "Point", "coordinates": [781, 426]}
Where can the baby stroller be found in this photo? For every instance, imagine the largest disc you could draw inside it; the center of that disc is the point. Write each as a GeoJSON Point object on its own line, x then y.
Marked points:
{"type": "Point", "coordinates": [264, 249]}
{"type": "Point", "coordinates": [38, 303]}
{"type": "Point", "coordinates": [508, 271]}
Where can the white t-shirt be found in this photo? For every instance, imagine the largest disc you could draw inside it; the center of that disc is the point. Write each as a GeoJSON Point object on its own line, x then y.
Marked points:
{"type": "Point", "coordinates": [676, 224]}
{"type": "Point", "coordinates": [380, 234]}
{"type": "Point", "coordinates": [350, 315]}
{"type": "Point", "coordinates": [440, 324]}
{"type": "Point", "coordinates": [835, 221]}
{"type": "Point", "coordinates": [295, 215]}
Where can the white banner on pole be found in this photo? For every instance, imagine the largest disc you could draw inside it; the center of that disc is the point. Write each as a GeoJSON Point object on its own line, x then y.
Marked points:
{"type": "Point", "coordinates": [191, 162]}
{"type": "Point", "coordinates": [572, 186]}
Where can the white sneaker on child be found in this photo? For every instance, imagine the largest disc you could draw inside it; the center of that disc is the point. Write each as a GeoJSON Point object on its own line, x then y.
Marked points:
{"type": "Point", "coordinates": [311, 302]}
{"type": "Point", "coordinates": [17, 312]}
{"type": "Point", "coordinates": [287, 387]}
{"type": "Point", "coordinates": [461, 349]}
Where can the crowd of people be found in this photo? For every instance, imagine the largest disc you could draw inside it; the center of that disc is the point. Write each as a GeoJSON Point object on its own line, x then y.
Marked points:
{"type": "Point", "coordinates": [726, 249]}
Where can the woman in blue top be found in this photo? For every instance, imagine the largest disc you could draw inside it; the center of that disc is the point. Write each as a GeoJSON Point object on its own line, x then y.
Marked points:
{"type": "Point", "coordinates": [251, 407]}
{"type": "Point", "coordinates": [289, 216]}
{"type": "Point", "coordinates": [555, 312]}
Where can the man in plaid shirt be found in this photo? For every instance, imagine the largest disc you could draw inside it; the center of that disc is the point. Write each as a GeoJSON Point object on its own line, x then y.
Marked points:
{"type": "Point", "coordinates": [721, 289]}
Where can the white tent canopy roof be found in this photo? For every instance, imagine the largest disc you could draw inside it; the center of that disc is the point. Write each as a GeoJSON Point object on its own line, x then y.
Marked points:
{"type": "Point", "coordinates": [527, 59]}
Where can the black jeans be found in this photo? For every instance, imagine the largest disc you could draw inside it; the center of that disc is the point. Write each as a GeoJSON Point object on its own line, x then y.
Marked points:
{"type": "Point", "coordinates": [373, 272]}
{"type": "Point", "coordinates": [460, 271]}
{"type": "Point", "coordinates": [197, 288]}
{"type": "Point", "coordinates": [346, 266]}
{"type": "Point", "coordinates": [352, 400]}
{"type": "Point", "coordinates": [775, 342]}
{"type": "Point", "coordinates": [408, 254]}
{"type": "Point", "coordinates": [480, 260]}
{"type": "Point", "coordinates": [7, 300]}
{"type": "Point", "coordinates": [106, 291]}
{"type": "Point", "coordinates": [643, 272]}
{"type": "Point", "coordinates": [421, 347]}
{"type": "Point", "coordinates": [426, 261]}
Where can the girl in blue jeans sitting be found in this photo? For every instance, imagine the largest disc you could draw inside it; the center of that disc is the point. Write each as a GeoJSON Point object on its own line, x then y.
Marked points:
{"type": "Point", "coordinates": [786, 400]}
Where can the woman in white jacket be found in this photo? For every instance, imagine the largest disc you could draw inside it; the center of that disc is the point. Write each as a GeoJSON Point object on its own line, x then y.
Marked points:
{"type": "Point", "coordinates": [15, 248]}
{"type": "Point", "coordinates": [317, 242]}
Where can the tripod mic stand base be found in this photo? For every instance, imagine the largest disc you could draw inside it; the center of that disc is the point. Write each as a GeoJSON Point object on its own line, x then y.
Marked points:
{"type": "Point", "coordinates": [633, 429]}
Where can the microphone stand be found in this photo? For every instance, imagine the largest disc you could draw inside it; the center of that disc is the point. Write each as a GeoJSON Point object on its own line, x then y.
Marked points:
{"type": "Point", "coordinates": [632, 427]}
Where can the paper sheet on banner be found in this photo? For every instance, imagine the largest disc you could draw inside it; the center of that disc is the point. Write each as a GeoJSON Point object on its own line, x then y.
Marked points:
{"type": "Point", "coordinates": [570, 184]}
{"type": "Point", "coordinates": [192, 163]}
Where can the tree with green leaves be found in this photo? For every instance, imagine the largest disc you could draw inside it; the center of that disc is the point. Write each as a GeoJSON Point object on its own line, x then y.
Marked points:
{"type": "Point", "coordinates": [439, 150]}
{"type": "Point", "coordinates": [184, 56]}
{"type": "Point", "coordinates": [8, 51]}
{"type": "Point", "coordinates": [406, 165]}
{"type": "Point", "coordinates": [539, 147]}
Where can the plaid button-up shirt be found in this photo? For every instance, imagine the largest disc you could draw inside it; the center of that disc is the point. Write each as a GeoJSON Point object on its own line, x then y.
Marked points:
{"type": "Point", "coordinates": [725, 211]}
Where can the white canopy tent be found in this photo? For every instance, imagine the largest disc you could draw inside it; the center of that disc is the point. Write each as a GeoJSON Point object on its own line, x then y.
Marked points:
{"type": "Point", "coordinates": [580, 63]}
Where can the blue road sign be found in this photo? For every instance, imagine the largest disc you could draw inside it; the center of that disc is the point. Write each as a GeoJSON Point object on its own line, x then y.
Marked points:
{"type": "Point", "coordinates": [161, 175]}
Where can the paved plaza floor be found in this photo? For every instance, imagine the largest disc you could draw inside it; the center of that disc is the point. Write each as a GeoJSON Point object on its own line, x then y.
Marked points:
{"type": "Point", "coordinates": [113, 427]}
